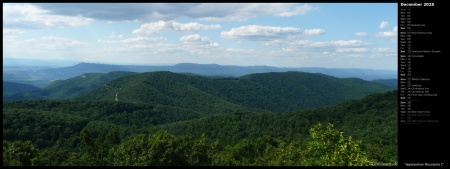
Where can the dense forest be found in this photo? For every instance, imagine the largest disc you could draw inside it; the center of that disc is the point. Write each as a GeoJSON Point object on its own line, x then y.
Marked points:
{"type": "Point", "coordinates": [96, 133]}
{"type": "Point", "coordinates": [69, 88]}
{"type": "Point", "coordinates": [11, 88]}
{"type": "Point", "coordinates": [169, 119]}
{"type": "Point", "coordinates": [277, 92]}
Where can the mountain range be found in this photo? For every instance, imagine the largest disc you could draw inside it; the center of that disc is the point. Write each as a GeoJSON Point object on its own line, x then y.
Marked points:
{"type": "Point", "coordinates": [45, 76]}
{"type": "Point", "coordinates": [251, 119]}
{"type": "Point", "coordinates": [276, 91]}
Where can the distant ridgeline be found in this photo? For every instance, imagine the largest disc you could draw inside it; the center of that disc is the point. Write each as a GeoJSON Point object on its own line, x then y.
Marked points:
{"type": "Point", "coordinates": [44, 76]}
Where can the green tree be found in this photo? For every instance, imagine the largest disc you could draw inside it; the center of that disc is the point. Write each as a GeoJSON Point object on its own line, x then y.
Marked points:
{"type": "Point", "coordinates": [286, 155]}
{"type": "Point", "coordinates": [18, 153]}
{"type": "Point", "coordinates": [52, 156]}
{"type": "Point", "coordinates": [329, 147]}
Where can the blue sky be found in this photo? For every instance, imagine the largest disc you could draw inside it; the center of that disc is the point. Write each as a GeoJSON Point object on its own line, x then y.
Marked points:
{"type": "Point", "coordinates": [331, 35]}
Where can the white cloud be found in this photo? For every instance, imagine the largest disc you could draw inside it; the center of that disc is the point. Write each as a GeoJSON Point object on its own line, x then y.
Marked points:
{"type": "Point", "coordinates": [161, 47]}
{"type": "Point", "coordinates": [13, 31]}
{"type": "Point", "coordinates": [338, 43]}
{"type": "Point", "coordinates": [171, 11]}
{"type": "Point", "coordinates": [269, 35]}
{"type": "Point", "coordinates": [260, 33]}
{"type": "Point", "coordinates": [383, 24]}
{"type": "Point", "coordinates": [133, 40]}
{"type": "Point", "coordinates": [197, 40]}
{"type": "Point", "coordinates": [45, 44]}
{"type": "Point", "coordinates": [48, 47]}
{"type": "Point", "coordinates": [358, 50]}
{"type": "Point", "coordinates": [272, 42]}
{"type": "Point", "coordinates": [143, 39]}
{"type": "Point", "coordinates": [361, 34]}
{"type": "Point", "coordinates": [387, 50]}
{"type": "Point", "coordinates": [388, 34]}
{"type": "Point", "coordinates": [238, 50]}
{"type": "Point", "coordinates": [298, 10]}
{"type": "Point", "coordinates": [58, 42]}
{"type": "Point", "coordinates": [313, 32]}
{"type": "Point", "coordinates": [154, 27]}
{"type": "Point", "coordinates": [114, 35]}
{"type": "Point", "coordinates": [391, 34]}
{"type": "Point", "coordinates": [319, 48]}
{"type": "Point", "coordinates": [29, 16]}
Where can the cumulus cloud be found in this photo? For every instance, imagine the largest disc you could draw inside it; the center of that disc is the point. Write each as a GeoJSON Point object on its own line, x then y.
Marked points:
{"type": "Point", "coordinates": [383, 24]}
{"type": "Point", "coordinates": [267, 33]}
{"type": "Point", "coordinates": [198, 45]}
{"type": "Point", "coordinates": [298, 10]}
{"type": "Point", "coordinates": [256, 32]}
{"type": "Point", "coordinates": [391, 34]}
{"type": "Point", "coordinates": [313, 32]}
{"type": "Point", "coordinates": [388, 34]}
{"type": "Point", "coordinates": [197, 40]}
{"type": "Point", "coordinates": [168, 11]}
{"type": "Point", "coordinates": [154, 27]}
{"type": "Point", "coordinates": [29, 16]}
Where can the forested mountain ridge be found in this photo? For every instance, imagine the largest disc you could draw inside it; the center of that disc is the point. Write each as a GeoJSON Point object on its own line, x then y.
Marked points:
{"type": "Point", "coordinates": [282, 91]}
{"type": "Point", "coordinates": [106, 133]}
{"type": "Point", "coordinates": [70, 88]}
{"type": "Point", "coordinates": [372, 119]}
{"type": "Point", "coordinates": [11, 88]}
{"type": "Point", "coordinates": [165, 88]}
{"type": "Point", "coordinates": [57, 122]}
{"type": "Point", "coordinates": [165, 118]}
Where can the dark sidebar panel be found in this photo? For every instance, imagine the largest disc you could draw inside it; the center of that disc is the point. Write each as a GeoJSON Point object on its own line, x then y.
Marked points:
{"type": "Point", "coordinates": [421, 72]}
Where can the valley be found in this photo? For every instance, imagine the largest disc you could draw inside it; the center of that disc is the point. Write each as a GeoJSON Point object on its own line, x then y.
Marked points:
{"type": "Point", "coordinates": [277, 111]}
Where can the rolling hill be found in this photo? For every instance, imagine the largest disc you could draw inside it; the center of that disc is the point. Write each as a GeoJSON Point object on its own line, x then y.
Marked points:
{"type": "Point", "coordinates": [282, 91]}
{"type": "Point", "coordinates": [65, 89]}
{"type": "Point", "coordinates": [11, 88]}
{"type": "Point", "coordinates": [372, 119]}
{"type": "Point", "coordinates": [393, 82]}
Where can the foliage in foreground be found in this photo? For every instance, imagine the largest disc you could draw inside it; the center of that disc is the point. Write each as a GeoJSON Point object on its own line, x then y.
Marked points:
{"type": "Point", "coordinates": [326, 147]}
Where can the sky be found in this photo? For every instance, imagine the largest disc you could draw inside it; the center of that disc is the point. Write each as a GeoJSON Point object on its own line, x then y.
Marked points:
{"type": "Point", "coordinates": [329, 35]}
